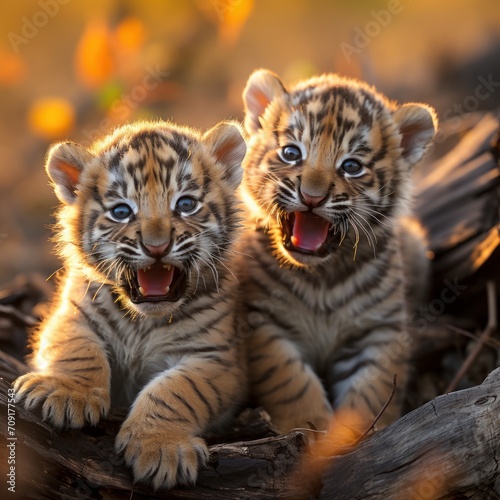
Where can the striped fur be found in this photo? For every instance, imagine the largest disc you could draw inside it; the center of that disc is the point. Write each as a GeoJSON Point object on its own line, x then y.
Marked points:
{"type": "Point", "coordinates": [323, 288]}
{"type": "Point", "coordinates": [170, 353]}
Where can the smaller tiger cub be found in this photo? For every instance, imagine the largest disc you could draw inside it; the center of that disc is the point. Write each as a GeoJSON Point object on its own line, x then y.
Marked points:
{"type": "Point", "coordinates": [332, 272]}
{"type": "Point", "coordinates": [144, 313]}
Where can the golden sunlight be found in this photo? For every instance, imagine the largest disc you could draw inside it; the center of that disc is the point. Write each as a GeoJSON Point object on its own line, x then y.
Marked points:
{"type": "Point", "coordinates": [483, 251]}
{"type": "Point", "coordinates": [51, 118]}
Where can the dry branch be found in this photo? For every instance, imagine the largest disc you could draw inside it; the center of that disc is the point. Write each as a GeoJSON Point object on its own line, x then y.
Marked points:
{"type": "Point", "coordinates": [491, 328]}
{"type": "Point", "coordinates": [448, 448]}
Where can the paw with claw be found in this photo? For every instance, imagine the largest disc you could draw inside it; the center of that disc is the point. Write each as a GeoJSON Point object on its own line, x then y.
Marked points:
{"type": "Point", "coordinates": [65, 402]}
{"type": "Point", "coordinates": [162, 456]}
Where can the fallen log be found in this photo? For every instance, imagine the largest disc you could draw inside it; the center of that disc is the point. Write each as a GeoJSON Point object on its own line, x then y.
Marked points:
{"type": "Point", "coordinates": [447, 449]}
{"type": "Point", "coordinates": [457, 200]}
{"type": "Point", "coordinates": [83, 464]}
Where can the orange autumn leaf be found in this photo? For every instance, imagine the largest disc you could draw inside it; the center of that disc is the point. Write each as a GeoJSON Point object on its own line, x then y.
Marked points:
{"type": "Point", "coordinates": [129, 35]}
{"type": "Point", "coordinates": [51, 118]}
{"type": "Point", "coordinates": [94, 57]}
{"type": "Point", "coordinates": [233, 15]}
{"type": "Point", "coordinates": [229, 15]}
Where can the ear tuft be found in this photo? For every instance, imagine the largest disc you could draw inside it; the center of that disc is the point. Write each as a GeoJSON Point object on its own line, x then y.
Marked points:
{"type": "Point", "coordinates": [262, 88]}
{"type": "Point", "coordinates": [417, 124]}
{"type": "Point", "coordinates": [227, 144]}
{"type": "Point", "coordinates": [64, 165]}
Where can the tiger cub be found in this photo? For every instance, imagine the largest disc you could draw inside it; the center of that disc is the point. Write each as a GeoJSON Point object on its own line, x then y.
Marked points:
{"type": "Point", "coordinates": [144, 315]}
{"type": "Point", "coordinates": [323, 292]}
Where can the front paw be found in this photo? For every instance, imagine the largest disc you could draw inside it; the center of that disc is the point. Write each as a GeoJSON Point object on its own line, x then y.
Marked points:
{"type": "Point", "coordinates": [65, 402]}
{"type": "Point", "coordinates": [162, 456]}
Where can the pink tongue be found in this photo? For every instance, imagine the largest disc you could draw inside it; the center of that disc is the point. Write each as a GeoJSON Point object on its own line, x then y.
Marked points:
{"type": "Point", "coordinates": [155, 280]}
{"type": "Point", "coordinates": [309, 231]}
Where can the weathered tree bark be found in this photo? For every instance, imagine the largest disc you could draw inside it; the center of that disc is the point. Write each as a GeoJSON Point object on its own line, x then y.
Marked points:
{"type": "Point", "coordinates": [82, 464]}
{"type": "Point", "coordinates": [448, 448]}
{"type": "Point", "coordinates": [457, 200]}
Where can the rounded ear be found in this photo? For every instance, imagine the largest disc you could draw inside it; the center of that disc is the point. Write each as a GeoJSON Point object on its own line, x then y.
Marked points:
{"type": "Point", "coordinates": [64, 165]}
{"type": "Point", "coordinates": [228, 146]}
{"type": "Point", "coordinates": [417, 124]}
{"type": "Point", "coordinates": [262, 87]}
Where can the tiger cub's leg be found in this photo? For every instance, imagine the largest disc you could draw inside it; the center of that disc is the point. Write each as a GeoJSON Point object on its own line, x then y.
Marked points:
{"type": "Point", "coordinates": [284, 384]}
{"type": "Point", "coordinates": [362, 376]}
{"type": "Point", "coordinates": [160, 437]}
{"type": "Point", "coordinates": [72, 381]}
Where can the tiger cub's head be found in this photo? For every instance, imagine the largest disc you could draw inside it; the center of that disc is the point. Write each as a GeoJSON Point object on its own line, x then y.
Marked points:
{"type": "Point", "coordinates": [149, 210]}
{"type": "Point", "coordinates": [329, 163]}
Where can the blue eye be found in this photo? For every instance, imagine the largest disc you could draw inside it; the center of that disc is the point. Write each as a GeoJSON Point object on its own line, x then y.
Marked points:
{"type": "Point", "coordinates": [291, 154]}
{"type": "Point", "coordinates": [121, 212]}
{"type": "Point", "coordinates": [186, 205]}
{"type": "Point", "coordinates": [352, 167]}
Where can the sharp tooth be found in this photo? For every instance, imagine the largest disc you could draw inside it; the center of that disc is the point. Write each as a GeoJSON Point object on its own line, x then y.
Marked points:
{"type": "Point", "coordinates": [167, 290]}
{"type": "Point", "coordinates": [167, 267]}
{"type": "Point", "coordinates": [148, 268]}
{"type": "Point", "coordinates": [141, 291]}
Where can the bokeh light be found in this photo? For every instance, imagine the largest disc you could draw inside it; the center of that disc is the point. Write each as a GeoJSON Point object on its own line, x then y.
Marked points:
{"type": "Point", "coordinates": [77, 69]}
{"type": "Point", "coordinates": [51, 118]}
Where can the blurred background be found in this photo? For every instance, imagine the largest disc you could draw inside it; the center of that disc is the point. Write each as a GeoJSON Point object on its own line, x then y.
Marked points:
{"type": "Point", "coordinates": [71, 69]}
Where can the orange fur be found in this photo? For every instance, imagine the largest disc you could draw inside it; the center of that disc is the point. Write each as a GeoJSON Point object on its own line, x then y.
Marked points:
{"type": "Point", "coordinates": [144, 314]}
{"type": "Point", "coordinates": [324, 287]}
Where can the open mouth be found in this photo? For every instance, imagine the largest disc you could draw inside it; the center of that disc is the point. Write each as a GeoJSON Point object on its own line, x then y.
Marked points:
{"type": "Point", "coordinates": [157, 283]}
{"type": "Point", "coordinates": [305, 232]}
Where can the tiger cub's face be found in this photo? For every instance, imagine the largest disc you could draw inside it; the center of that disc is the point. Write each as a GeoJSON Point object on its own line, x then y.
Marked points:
{"type": "Point", "coordinates": [149, 210]}
{"type": "Point", "coordinates": [329, 163]}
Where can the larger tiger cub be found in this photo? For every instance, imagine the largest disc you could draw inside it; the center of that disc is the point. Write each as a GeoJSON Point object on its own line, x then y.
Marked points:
{"type": "Point", "coordinates": [326, 182]}
{"type": "Point", "coordinates": [144, 314]}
